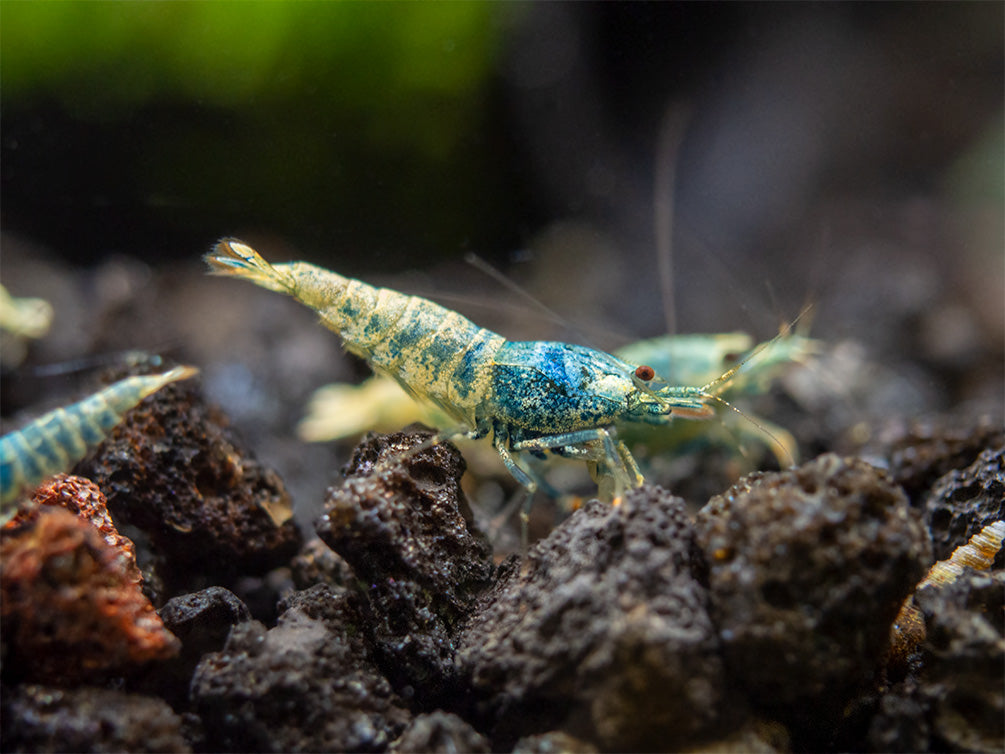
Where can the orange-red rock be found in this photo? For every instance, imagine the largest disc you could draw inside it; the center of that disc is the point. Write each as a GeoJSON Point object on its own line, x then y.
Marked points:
{"type": "Point", "coordinates": [71, 604]}
{"type": "Point", "coordinates": [82, 497]}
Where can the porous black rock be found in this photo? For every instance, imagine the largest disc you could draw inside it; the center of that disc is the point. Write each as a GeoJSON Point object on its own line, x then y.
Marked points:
{"type": "Point", "coordinates": [807, 571]}
{"type": "Point", "coordinates": [202, 621]}
{"type": "Point", "coordinates": [308, 684]}
{"type": "Point", "coordinates": [43, 718]}
{"type": "Point", "coordinates": [602, 632]}
{"type": "Point", "coordinates": [963, 661]}
{"type": "Point", "coordinates": [920, 451]}
{"type": "Point", "coordinates": [175, 471]}
{"type": "Point", "coordinates": [402, 523]}
{"type": "Point", "coordinates": [964, 501]}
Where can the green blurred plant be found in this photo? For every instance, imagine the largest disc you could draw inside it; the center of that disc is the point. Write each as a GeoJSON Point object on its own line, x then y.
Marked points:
{"type": "Point", "coordinates": [294, 116]}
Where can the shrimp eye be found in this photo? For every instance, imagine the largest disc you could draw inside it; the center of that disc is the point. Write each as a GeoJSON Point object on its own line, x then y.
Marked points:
{"type": "Point", "coordinates": [645, 373]}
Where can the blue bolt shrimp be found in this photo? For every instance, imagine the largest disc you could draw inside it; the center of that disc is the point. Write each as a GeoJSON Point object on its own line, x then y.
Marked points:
{"type": "Point", "coordinates": [338, 411]}
{"type": "Point", "coordinates": [534, 397]}
{"type": "Point", "coordinates": [57, 440]}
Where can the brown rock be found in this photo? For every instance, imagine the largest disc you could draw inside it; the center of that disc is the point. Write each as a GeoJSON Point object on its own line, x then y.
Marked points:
{"type": "Point", "coordinates": [71, 609]}
{"type": "Point", "coordinates": [211, 511]}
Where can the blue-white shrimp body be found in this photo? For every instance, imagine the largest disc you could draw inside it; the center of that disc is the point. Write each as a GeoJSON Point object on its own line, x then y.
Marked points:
{"type": "Point", "coordinates": [532, 396]}
{"type": "Point", "coordinates": [547, 388]}
{"type": "Point", "coordinates": [54, 442]}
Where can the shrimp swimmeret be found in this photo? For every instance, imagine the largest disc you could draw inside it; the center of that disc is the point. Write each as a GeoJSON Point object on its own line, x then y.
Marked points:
{"type": "Point", "coordinates": [533, 396]}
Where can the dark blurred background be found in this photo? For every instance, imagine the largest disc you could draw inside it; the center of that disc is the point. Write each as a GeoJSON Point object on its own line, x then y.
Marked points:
{"type": "Point", "coordinates": [390, 136]}
{"type": "Point", "coordinates": [840, 154]}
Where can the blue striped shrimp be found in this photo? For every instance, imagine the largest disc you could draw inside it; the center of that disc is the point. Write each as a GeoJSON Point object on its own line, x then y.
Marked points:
{"type": "Point", "coordinates": [339, 411]}
{"type": "Point", "coordinates": [534, 397]}
{"type": "Point", "coordinates": [54, 442]}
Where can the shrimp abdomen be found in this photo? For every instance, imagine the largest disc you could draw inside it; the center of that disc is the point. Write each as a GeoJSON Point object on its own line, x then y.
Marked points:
{"type": "Point", "coordinates": [434, 353]}
{"type": "Point", "coordinates": [57, 440]}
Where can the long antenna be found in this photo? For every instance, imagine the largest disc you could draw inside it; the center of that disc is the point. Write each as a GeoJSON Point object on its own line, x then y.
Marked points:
{"type": "Point", "coordinates": [93, 361]}
{"type": "Point", "coordinates": [723, 379]}
{"type": "Point", "coordinates": [667, 149]}
{"type": "Point", "coordinates": [760, 426]}
{"type": "Point", "coordinates": [500, 277]}
{"type": "Point", "coordinates": [483, 266]}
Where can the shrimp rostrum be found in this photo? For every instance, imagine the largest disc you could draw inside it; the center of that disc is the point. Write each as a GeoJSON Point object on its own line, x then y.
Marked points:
{"type": "Point", "coordinates": [533, 397]}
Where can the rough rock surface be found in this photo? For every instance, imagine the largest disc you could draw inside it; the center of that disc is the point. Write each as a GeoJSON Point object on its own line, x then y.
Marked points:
{"type": "Point", "coordinates": [401, 521]}
{"type": "Point", "coordinates": [605, 637]}
{"type": "Point", "coordinates": [603, 632]}
{"type": "Point", "coordinates": [71, 607]}
{"type": "Point", "coordinates": [952, 697]}
{"type": "Point", "coordinates": [83, 498]}
{"type": "Point", "coordinates": [807, 570]}
{"type": "Point", "coordinates": [309, 684]}
{"type": "Point", "coordinates": [964, 501]}
{"type": "Point", "coordinates": [201, 621]}
{"type": "Point", "coordinates": [440, 733]}
{"type": "Point", "coordinates": [921, 451]}
{"type": "Point", "coordinates": [173, 470]}
{"type": "Point", "coordinates": [963, 676]}
{"type": "Point", "coordinates": [40, 718]}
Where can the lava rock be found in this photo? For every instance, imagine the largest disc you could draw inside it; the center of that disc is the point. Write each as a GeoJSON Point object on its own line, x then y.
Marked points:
{"type": "Point", "coordinates": [952, 696]}
{"type": "Point", "coordinates": [923, 450]}
{"type": "Point", "coordinates": [339, 607]}
{"type": "Point", "coordinates": [40, 718]}
{"type": "Point", "coordinates": [202, 622]}
{"type": "Point", "coordinates": [963, 655]}
{"type": "Point", "coordinates": [316, 563]}
{"type": "Point", "coordinates": [963, 502]}
{"type": "Point", "coordinates": [402, 523]}
{"type": "Point", "coordinates": [808, 569]}
{"type": "Point", "coordinates": [71, 607]}
{"type": "Point", "coordinates": [173, 470]}
{"type": "Point", "coordinates": [83, 498]}
{"type": "Point", "coordinates": [440, 733]}
{"type": "Point", "coordinates": [309, 684]}
{"type": "Point", "coordinates": [603, 633]}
